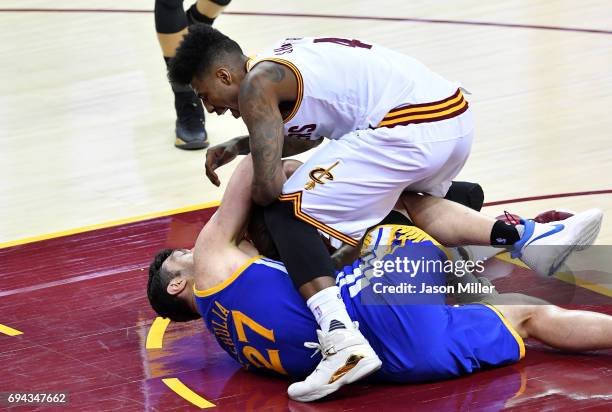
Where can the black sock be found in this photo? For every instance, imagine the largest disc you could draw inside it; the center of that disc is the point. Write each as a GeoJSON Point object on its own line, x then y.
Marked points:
{"type": "Point", "coordinates": [504, 234]}
{"type": "Point", "coordinates": [336, 324]}
{"type": "Point", "coordinates": [194, 16]}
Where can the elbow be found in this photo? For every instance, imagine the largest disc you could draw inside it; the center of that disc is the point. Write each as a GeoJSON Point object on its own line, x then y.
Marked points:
{"type": "Point", "coordinates": [264, 195]}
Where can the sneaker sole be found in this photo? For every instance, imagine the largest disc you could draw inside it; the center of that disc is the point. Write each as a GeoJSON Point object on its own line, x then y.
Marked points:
{"type": "Point", "coordinates": [361, 370]}
{"type": "Point", "coordinates": [581, 238]}
{"type": "Point", "coordinates": [193, 145]}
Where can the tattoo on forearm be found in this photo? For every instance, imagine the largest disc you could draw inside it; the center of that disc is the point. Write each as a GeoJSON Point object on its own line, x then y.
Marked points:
{"type": "Point", "coordinates": [266, 133]}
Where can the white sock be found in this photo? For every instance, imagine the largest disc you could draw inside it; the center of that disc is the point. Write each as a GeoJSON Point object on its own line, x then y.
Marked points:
{"type": "Point", "coordinates": [327, 306]}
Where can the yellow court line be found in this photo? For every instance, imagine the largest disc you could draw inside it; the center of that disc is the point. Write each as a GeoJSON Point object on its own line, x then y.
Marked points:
{"type": "Point", "coordinates": [109, 224]}
{"type": "Point", "coordinates": [184, 392]}
{"type": "Point", "coordinates": [564, 277]}
{"type": "Point", "coordinates": [505, 257]}
{"type": "Point", "coordinates": [575, 280]}
{"type": "Point", "coordinates": [9, 331]}
{"type": "Point", "coordinates": [155, 337]}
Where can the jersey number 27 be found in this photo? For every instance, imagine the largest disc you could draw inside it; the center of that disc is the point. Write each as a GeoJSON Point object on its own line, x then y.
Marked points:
{"type": "Point", "coordinates": [254, 356]}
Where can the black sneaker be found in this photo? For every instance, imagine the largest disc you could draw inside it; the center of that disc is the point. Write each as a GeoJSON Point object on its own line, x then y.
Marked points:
{"type": "Point", "coordinates": [190, 131]}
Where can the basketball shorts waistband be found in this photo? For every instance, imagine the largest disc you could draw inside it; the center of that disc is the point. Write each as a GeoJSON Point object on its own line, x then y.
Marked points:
{"type": "Point", "coordinates": [444, 109]}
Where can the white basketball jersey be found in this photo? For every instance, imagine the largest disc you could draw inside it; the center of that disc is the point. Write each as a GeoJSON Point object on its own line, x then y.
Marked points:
{"type": "Point", "coordinates": [346, 85]}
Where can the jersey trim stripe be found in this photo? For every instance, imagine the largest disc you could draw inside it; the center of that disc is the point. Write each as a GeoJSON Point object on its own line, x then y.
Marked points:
{"type": "Point", "coordinates": [273, 264]}
{"type": "Point", "coordinates": [507, 324]}
{"type": "Point", "coordinates": [298, 76]}
{"type": "Point", "coordinates": [421, 107]}
{"type": "Point", "coordinates": [226, 282]}
{"type": "Point", "coordinates": [427, 112]}
{"type": "Point", "coordinates": [296, 198]}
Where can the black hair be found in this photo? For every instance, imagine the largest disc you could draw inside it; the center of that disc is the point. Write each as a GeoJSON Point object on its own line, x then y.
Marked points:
{"type": "Point", "coordinates": [165, 304]}
{"type": "Point", "coordinates": [198, 51]}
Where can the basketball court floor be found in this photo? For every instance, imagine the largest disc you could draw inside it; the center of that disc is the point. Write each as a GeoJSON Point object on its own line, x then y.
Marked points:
{"type": "Point", "coordinates": [91, 187]}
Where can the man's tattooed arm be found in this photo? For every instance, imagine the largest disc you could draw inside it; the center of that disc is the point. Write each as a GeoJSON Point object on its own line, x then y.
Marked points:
{"type": "Point", "coordinates": [291, 147]}
{"type": "Point", "coordinates": [261, 91]}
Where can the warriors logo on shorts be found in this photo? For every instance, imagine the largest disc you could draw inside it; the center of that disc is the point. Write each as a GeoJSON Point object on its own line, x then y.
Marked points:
{"type": "Point", "coordinates": [318, 174]}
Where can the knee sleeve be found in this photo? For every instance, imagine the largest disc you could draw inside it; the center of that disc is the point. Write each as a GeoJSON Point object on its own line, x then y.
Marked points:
{"type": "Point", "coordinates": [221, 2]}
{"type": "Point", "coordinates": [466, 193]}
{"type": "Point", "coordinates": [299, 244]}
{"type": "Point", "coordinates": [169, 16]}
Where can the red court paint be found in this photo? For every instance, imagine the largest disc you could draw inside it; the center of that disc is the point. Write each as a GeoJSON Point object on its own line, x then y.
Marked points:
{"type": "Point", "coordinates": [80, 301]}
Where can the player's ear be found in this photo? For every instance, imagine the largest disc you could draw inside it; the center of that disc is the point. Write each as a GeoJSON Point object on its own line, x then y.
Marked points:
{"type": "Point", "coordinates": [176, 285]}
{"type": "Point", "coordinates": [224, 75]}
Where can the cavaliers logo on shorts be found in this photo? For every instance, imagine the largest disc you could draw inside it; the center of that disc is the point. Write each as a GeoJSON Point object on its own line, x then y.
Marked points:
{"type": "Point", "coordinates": [319, 174]}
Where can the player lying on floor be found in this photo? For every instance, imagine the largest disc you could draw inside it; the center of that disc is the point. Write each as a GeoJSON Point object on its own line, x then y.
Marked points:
{"type": "Point", "coordinates": [253, 309]}
{"type": "Point", "coordinates": [392, 124]}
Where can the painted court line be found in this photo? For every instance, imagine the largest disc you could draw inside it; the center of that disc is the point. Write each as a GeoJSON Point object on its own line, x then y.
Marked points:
{"type": "Point", "coordinates": [74, 279]}
{"type": "Point", "coordinates": [184, 392]}
{"type": "Point", "coordinates": [155, 337]}
{"type": "Point", "coordinates": [564, 277]}
{"type": "Point", "coordinates": [216, 203]}
{"type": "Point", "coordinates": [9, 331]}
{"type": "Point", "coordinates": [155, 340]}
{"type": "Point", "coordinates": [330, 16]}
{"type": "Point", "coordinates": [544, 197]}
{"type": "Point", "coordinates": [111, 223]}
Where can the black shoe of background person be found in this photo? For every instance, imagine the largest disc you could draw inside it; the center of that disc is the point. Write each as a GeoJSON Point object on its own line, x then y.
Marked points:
{"type": "Point", "coordinates": [190, 131]}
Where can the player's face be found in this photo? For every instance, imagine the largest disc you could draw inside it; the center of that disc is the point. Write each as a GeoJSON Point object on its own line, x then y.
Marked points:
{"type": "Point", "coordinates": [218, 92]}
{"type": "Point", "coordinates": [181, 260]}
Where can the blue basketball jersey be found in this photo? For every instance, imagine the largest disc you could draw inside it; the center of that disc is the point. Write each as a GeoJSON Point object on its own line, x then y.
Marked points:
{"type": "Point", "coordinates": [261, 320]}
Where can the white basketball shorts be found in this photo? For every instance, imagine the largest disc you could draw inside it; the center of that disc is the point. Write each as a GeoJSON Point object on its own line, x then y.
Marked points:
{"type": "Point", "coordinates": [352, 183]}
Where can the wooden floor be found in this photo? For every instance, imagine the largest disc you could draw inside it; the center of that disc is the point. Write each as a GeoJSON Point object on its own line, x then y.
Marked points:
{"type": "Point", "coordinates": [86, 134]}
{"type": "Point", "coordinates": [86, 116]}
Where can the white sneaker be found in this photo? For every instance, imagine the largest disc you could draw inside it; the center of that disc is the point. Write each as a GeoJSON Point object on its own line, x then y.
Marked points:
{"type": "Point", "coordinates": [563, 237]}
{"type": "Point", "coordinates": [347, 357]}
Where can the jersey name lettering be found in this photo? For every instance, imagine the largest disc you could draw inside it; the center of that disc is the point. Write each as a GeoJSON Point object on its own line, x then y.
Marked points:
{"type": "Point", "coordinates": [301, 132]}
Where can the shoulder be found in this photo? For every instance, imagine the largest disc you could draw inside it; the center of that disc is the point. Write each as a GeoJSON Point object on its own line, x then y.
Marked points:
{"type": "Point", "coordinates": [215, 265]}
{"type": "Point", "coordinates": [265, 75]}
{"type": "Point", "coordinates": [270, 81]}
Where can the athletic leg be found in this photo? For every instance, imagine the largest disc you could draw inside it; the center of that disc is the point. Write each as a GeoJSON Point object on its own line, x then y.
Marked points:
{"type": "Point", "coordinates": [310, 266]}
{"type": "Point", "coordinates": [451, 223]}
{"type": "Point", "coordinates": [171, 23]}
{"type": "Point", "coordinates": [568, 330]}
{"type": "Point", "coordinates": [454, 224]}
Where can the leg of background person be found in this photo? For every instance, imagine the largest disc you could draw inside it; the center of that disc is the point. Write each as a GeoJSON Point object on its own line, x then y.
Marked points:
{"type": "Point", "coordinates": [206, 11]}
{"type": "Point", "coordinates": [569, 330]}
{"type": "Point", "coordinates": [171, 25]}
